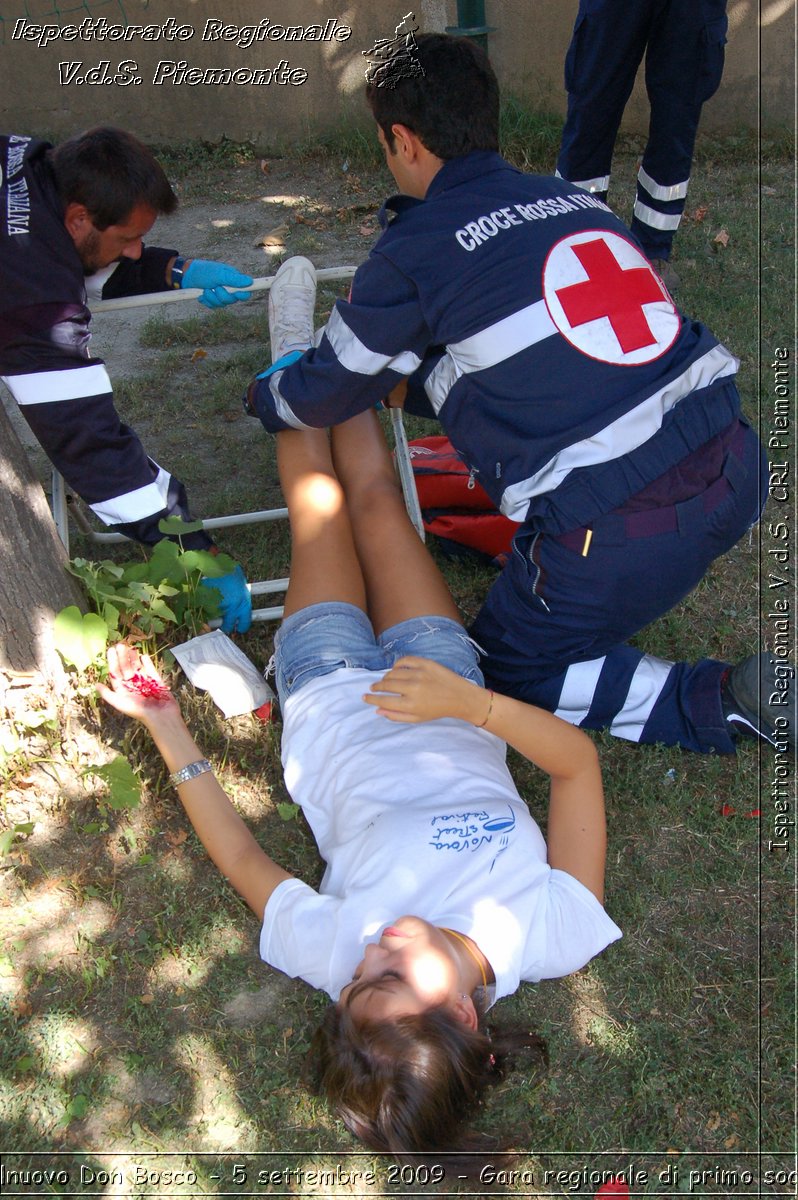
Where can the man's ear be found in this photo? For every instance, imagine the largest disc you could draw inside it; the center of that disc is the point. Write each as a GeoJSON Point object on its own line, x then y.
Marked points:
{"type": "Point", "coordinates": [76, 219]}
{"type": "Point", "coordinates": [465, 1011]}
{"type": "Point", "coordinates": [406, 143]}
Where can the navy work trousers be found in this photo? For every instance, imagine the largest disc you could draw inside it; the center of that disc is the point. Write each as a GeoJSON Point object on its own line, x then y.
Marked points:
{"type": "Point", "coordinates": [555, 624]}
{"type": "Point", "coordinates": [683, 43]}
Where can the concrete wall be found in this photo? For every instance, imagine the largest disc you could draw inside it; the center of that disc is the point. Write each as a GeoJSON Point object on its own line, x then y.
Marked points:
{"type": "Point", "coordinates": [527, 49]}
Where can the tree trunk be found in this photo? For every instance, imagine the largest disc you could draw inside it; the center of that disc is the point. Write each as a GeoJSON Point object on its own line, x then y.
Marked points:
{"type": "Point", "coordinates": [34, 582]}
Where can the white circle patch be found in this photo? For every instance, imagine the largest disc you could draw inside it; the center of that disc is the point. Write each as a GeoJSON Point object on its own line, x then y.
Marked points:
{"type": "Point", "coordinates": [606, 299]}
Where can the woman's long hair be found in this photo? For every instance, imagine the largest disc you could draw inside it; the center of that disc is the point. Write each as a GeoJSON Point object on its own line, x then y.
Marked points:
{"type": "Point", "coordinates": [410, 1084]}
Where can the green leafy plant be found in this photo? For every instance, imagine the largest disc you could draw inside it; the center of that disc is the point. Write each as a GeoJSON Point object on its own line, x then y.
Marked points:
{"type": "Point", "coordinates": [9, 837]}
{"type": "Point", "coordinates": [80, 638]}
{"type": "Point", "coordinates": [140, 600]}
{"type": "Point", "coordinates": [288, 811]}
{"type": "Point", "coordinates": [124, 789]}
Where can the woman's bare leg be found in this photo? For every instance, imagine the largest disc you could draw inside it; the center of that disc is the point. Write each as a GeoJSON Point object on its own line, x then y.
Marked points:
{"type": "Point", "coordinates": [402, 581]}
{"type": "Point", "coordinates": [324, 563]}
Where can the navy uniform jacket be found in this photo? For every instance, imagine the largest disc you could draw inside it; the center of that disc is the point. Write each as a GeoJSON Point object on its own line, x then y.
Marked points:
{"type": "Point", "coordinates": [63, 391]}
{"type": "Point", "coordinates": [527, 316]}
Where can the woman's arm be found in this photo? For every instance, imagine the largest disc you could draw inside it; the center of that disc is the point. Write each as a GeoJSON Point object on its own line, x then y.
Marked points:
{"type": "Point", "coordinates": [137, 691]}
{"type": "Point", "coordinates": [417, 689]}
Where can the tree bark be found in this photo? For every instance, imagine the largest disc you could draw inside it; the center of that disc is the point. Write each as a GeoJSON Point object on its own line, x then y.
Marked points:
{"type": "Point", "coordinates": [34, 581]}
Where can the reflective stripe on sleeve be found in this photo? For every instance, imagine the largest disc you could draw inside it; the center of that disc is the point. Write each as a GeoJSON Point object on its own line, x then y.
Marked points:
{"type": "Point", "coordinates": [487, 348]}
{"type": "Point", "coordinates": [50, 387]}
{"type": "Point", "coordinates": [281, 408]}
{"type": "Point", "coordinates": [356, 357]}
{"type": "Point", "coordinates": [135, 505]}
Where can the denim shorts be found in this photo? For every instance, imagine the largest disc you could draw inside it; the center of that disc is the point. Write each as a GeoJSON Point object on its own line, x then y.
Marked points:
{"type": "Point", "coordinates": [325, 637]}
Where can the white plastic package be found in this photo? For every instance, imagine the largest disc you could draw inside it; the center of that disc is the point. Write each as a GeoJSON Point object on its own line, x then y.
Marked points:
{"type": "Point", "coordinates": [215, 664]}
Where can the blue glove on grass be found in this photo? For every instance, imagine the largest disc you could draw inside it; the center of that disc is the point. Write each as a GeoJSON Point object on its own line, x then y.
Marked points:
{"type": "Point", "coordinates": [215, 278]}
{"type": "Point", "coordinates": [235, 600]}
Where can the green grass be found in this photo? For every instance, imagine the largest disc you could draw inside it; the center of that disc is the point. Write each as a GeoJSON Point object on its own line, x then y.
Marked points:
{"type": "Point", "coordinates": [135, 1015]}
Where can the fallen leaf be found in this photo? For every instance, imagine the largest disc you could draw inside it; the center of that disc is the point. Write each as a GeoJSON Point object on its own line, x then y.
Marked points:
{"type": "Point", "coordinates": [722, 238]}
{"type": "Point", "coordinates": [134, 634]}
{"type": "Point", "coordinates": [367, 230]}
{"type": "Point", "coordinates": [728, 810]}
{"type": "Point", "coordinates": [199, 354]}
{"type": "Point", "coordinates": [264, 166]}
{"type": "Point", "coordinates": [232, 414]}
{"type": "Point", "coordinates": [177, 839]}
{"type": "Point", "coordinates": [731, 1141]}
{"type": "Point", "coordinates": [714, 1122]}
{"type": "Point", "coordinates": [700, 213]}
{"type": "Point", "coordinates": [147, 998]}
{"type": "Point", "coordinates": [755, 812]}
{"type": "Point", "coordinates": [21, 1007]}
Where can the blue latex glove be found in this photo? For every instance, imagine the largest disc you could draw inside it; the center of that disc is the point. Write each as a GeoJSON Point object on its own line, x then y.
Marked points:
{"type": "Point", "coordinates": [215, 278]}
{"type": "Point", "coordinates": [236, 602]}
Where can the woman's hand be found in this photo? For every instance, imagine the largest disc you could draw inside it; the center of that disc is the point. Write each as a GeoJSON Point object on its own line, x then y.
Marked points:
{"type": "Point", "coordinates": [137, 689]}
{"type": "Point", "coordinates": [418, 689]}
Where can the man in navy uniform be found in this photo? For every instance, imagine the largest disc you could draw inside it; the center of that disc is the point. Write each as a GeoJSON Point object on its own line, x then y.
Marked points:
{"type": "Point", "coordinates": [72, 223]}
{"type": "Point", "coordinates": [524, 315]}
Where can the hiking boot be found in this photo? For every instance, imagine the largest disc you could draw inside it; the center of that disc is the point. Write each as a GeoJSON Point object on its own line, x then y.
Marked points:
{"type": "Point", "coordinates": [666, 273]}
{"type": "Point", "coordinates": [292, 298]}
{"type": "Point", "coordinates": [758, 699]}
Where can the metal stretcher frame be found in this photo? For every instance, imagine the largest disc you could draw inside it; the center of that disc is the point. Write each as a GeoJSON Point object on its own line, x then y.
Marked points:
{"type": "Point", "coordinates": [60, 501]}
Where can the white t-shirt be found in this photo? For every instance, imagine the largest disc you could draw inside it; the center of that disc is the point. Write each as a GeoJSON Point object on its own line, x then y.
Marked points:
{"type": "Point", "coordinates": [422, 819]}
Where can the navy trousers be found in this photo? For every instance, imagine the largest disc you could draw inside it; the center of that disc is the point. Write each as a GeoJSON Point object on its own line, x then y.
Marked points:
{"type": "Point", "coordinates": [683, 42]}
{"type": "Point", "coordinates": [555, 624]}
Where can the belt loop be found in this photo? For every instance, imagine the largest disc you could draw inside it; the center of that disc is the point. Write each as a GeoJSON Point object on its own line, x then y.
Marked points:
{"type": "Point", "coordinates": [689, 515]}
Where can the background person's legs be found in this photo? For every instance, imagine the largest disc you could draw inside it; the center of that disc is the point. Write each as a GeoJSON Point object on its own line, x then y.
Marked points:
{"type": "Point", "coordinates": [606, 49]}
{"type": "Point", "coordinates": [684, 65]}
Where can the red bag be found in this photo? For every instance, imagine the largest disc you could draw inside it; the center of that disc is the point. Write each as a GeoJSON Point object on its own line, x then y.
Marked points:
{"type": "Point", "coordinates": [454, 507]}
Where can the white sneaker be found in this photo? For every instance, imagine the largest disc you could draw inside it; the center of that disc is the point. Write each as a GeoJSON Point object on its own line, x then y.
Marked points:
{"type": "Point", "coordinates": [292, 299]}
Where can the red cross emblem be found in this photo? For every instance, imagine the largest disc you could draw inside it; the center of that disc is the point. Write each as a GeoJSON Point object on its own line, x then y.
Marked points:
{"type": "Point", "coordinates": [604, 297]}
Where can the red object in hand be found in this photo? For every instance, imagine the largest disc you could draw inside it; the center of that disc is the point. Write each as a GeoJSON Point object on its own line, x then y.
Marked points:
{"type": "Point", "coordinates": [146, 686]}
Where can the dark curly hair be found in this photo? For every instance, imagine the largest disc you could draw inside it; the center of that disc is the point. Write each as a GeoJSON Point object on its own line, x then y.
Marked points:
{"type": "Point", "coordinates": [109, 172]}
{"type": "Point", "coordinates": [410, 1084]}
{"type": "Point", "coordinates": [453, 107]}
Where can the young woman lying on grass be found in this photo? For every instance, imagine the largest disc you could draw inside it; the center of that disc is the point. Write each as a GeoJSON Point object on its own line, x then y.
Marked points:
{"type": "Point", "coordinates": [440, 894]}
